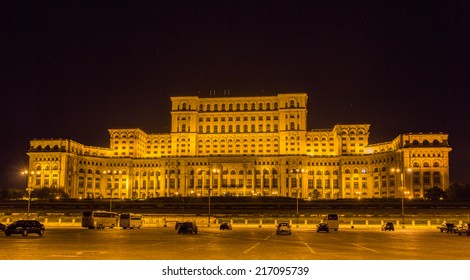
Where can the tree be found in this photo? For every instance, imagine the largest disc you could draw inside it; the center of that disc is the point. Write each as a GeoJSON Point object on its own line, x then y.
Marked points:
{"type": "Point", "coordinates": [435, 193]}
{"type": "Point", "coordinates": [49, 193]}
{"type": "Point", "coordinates": [459, 192]}
{"type": "Point", "coordinates": [11, 194]}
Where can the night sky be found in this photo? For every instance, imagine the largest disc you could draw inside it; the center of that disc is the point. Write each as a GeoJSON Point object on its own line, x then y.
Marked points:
{"type": "Point", "coordinates": [74, 69]}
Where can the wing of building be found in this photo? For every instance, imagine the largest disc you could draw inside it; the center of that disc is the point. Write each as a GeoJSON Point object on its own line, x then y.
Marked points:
{"type": "Point", "coordinates": [243, 146]}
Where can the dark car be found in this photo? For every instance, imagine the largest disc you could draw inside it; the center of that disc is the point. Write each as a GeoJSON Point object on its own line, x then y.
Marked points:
{"type": "Point", "coordinates": [323, 227]}
{"type": "Point", "coordinates": [448, 228]}
{"type": "Point", "coordinates": [187, 227]}
{"type": "Point", "coordinates": [2, 227]}
{"type": "Point", "coordinates": [225, 226]}
{"type": "Point", "coordinates": [177, 225]}
{"type": "Point", "coordinates": [388, 226]}
{"type": "Point", "coordinates": [25, 227]}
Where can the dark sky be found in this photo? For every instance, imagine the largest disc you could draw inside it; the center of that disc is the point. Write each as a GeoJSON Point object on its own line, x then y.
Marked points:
{"type": "Point", "coordinates": [73, 69]}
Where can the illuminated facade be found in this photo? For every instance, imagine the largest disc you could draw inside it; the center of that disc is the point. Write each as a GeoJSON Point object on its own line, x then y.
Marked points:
{"type": "Point", "coordinates": [243, 146]}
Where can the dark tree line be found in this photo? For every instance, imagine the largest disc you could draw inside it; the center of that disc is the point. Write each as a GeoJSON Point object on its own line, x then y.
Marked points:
{"type": "Point", "coordinates": [458, 192]}
{"type": "Point", "coordinates": [42, 193]}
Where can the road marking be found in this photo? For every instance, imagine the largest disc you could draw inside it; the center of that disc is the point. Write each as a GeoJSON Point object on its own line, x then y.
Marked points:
{"type": "Point", "coordinates": [357, 245]}
{"type": "Point", "coordinates": [269, 236]}
{"type": "Point", "coordinates": [298, 236]}
{"type": "Point", "coordinates": [310, 248]}
{"type": "Point", "coordinates": [251, 248]}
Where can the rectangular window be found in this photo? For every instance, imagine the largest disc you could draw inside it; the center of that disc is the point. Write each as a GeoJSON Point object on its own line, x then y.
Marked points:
{"type": "Point", "coordinates": [416, 178]}
{"type": "Point", "coordinates": [426, 178]}
{"type": "Point", "coordinates": [437, 178]}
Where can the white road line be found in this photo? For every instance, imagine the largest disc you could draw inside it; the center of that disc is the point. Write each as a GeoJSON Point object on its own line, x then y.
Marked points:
{"type": "Point", "coordinates": [251, 248]}
{"type": "Point", "coordinates": [310, 249]}
{"type": "Point", "coordinates": [357, 245]}
{"type": "Point", "coordinates": [269, 236]}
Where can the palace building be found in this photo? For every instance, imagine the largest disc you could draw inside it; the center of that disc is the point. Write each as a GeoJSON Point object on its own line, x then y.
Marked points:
{"type": "Point", "coordinates": [243, 146]}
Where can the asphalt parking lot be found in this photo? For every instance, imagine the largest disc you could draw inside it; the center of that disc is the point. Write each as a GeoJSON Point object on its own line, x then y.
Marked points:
{"type": "Point", "coordinates": [241, 243]}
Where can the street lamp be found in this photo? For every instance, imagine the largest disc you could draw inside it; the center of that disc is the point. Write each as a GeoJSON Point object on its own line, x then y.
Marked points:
{"type": "Point", "coordinates": [297, 172]}
{"type": "Point", "coordinates": [402, 188]}
{"type": "Point", "coordinates": [215, 171]}
{"type": "Point", "coordinates": [111, 189]}
{"type": "Point", "coordinates": [29, 188]}
{"type": "Point", "coordinates": [358, 195]}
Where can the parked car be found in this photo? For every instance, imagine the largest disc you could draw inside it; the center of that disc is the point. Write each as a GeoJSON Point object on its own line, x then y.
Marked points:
{"type": "Point", "coordinates": [2, 227]}
{"type": "Point", "coordinates": [323, 227]}
{"type": "Point", "coordinates": [187, 227]}
{"type": "Point", "coordinates": [283, 228]}
{"type": "Point", "coordinates": [388, 226]}
{"type": "Point", "coordinates": [463, 229]}
{"type": "Point", "coordinates": [25, 227]}
{"type": "Point", "coordinates": [448, 228]}
{"type": "Point", "coordinates": [177, 225]}
{"type": "Point", "coordinates": [225, 226]}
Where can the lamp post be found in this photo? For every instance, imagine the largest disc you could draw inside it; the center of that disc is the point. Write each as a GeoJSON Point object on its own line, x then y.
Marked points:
{"type": "Point", "coordinates": [402, 188]}
{"type": "Point", "coordinates": [297, 172]}
{"type": "Point", "coordinates": [215, 171]}
{"type": "Point", "coordinates": [29, 188]}
{"type": "Point", "coordinates": [110, 188]}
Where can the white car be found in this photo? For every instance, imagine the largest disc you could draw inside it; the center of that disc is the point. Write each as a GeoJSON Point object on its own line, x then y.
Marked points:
{"type": "Point", "coordinates": [283, 228]}
{"type": "Point", "coordinates": [463, 229]}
